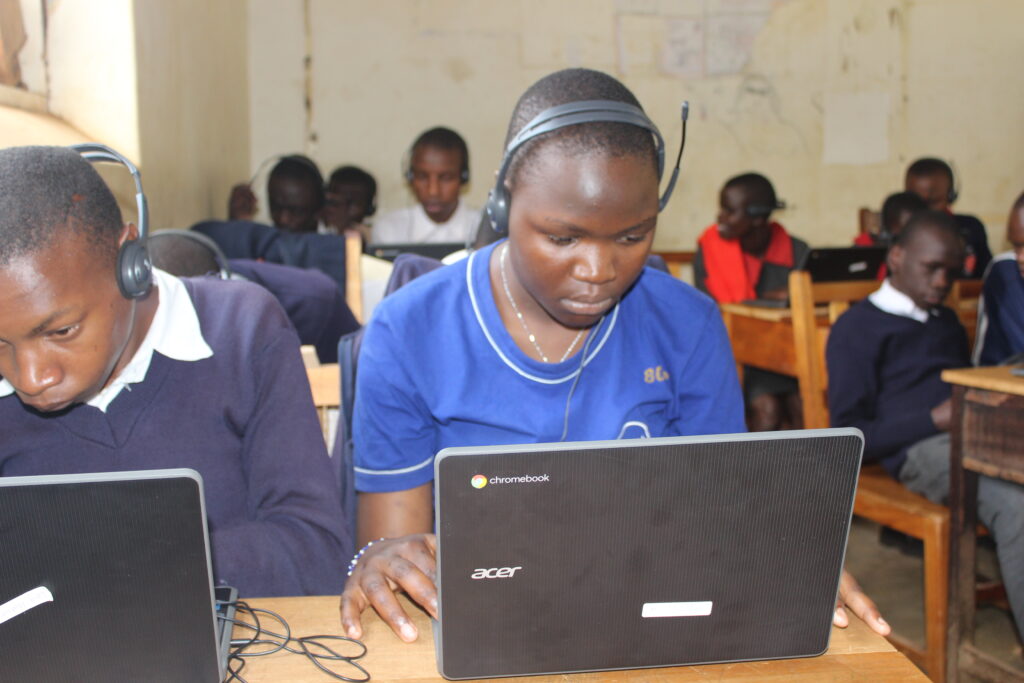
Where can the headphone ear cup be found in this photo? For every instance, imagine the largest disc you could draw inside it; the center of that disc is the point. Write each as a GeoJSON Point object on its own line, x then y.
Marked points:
{"type": "Point", "coordinates": [134, 270]}
{"type": "Point", "coordinates": [497, 209]}
{"type": "Point", "coordinates": [464, 176]}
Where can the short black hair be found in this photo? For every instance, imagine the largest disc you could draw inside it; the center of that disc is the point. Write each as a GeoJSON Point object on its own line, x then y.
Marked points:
{"type": "Point", "coordinates": [1019, 203]}
{"type": "Point", "coordinates": [897, 203]}
{"type": "Point", "coordinates": [355, 176]}
{"type": "Point", "coordinates": [46, 192]}
{"type": "Point", "coordinates": [443, 138]}
{"type": "Point", "coordinates": [303, 169]}
{"type": "Point", "coordinates": [928, 166]}
{"type": "Point", "coordinates": [759, 190]}
{"type": "Point", "coordinates": [181, 253]}
{"type": "Point", "coordinates": [940, 221]}
{"type": "Point", "coordinates": [577, 85]}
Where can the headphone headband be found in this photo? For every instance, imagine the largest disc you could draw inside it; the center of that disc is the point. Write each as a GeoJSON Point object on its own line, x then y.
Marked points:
{"type": "Point", "coordinates": [203, 240]}
{"type": "Point", "coordinates": [134, 270]}
{"type": "Point", "coordinates": [570, 114]}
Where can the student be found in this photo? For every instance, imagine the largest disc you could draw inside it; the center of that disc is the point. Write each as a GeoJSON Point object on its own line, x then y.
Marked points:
{"type": "Point", "coordinates": [190, 373]}
{"type": "Point", "coordinates": [1001, 315]}
{"type": "Point", "coordinates": [490, 350]}
{"type": "Point", "coordinates": [747, 256]}
{"type": "Point", "coordinates": [896, 211]}
{"type": "Point", "coordinates": [351, 198]}
{"type": "Point", "coordinates": [932, 180]}
{"type": "Point", "coordinates": [295, 194]}
{"type": "Point", "coordinates": [438, 169]}
{"type": "Point", "coordinates": [311, 300]}
{"type": "Point", "coordinates": [885, 357]}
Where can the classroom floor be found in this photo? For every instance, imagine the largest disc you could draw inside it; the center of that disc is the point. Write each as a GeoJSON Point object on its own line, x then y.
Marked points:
{"type": "Point", "coordinates": [893, 579]}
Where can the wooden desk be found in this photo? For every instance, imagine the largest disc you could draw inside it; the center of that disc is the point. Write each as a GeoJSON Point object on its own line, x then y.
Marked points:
{"type": "Point", "coordinates": [988, 418]}
{"type": "Point", "coordinates": [856, 654]}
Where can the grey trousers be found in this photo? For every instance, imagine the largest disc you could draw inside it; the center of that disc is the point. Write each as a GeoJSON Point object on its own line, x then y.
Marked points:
{"type": "Point", "coordinates": [1000, 508]}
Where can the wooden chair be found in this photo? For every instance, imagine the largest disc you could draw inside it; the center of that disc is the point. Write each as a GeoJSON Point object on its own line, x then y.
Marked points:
{"type": "Point", "coordinates": [879, 497]}
{"type": "Point", "coordinates": [869, 221]}
{"type": "Point", "coordinates": [677, 261]}
{"type": "Point", "coordinates": [325, 381]}
{"type": "Point", "coordinates": [963, 299]}
{"type": "Point", "coordinates": [354, 275]}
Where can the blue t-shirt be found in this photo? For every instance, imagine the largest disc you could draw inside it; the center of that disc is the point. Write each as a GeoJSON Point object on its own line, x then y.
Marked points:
{"type": "Point", "coordinates": [438, 369]}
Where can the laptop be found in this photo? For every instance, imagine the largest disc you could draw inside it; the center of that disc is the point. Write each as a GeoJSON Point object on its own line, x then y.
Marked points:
{"type": "Point", "coordinates": [593, 556]}
{"type": "Point", "coordinates": [836, 264]}
{"type": "Point", "coordinates": [434, 250]}
{"type": "Point", "coordinates": [106, 577]}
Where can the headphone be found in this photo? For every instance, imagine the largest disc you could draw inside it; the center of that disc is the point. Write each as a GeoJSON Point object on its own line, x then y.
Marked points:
{"type": "Point", "coordinates": [954, 184]}
{"type": "Point", "coordinates": [760, 210]}
{"type": "Point", "coordinates": [223, 267]}
{"type": "Point", "coordinates": [134, 270]}
{"type": "Point", "coordinates": [585, 111]}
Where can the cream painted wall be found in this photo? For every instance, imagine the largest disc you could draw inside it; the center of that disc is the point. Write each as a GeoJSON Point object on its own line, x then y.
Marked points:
{"type": "Point", "coordinates": [193, 105]}
{"type": "Point", "coordinates": [92, 82]}
{"type": "Point", "coordinates": [829, 98]}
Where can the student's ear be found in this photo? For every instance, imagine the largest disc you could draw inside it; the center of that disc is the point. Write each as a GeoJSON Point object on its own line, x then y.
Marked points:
{"type": "Point", "coordinates": [894, 259]}
{"type": "Point", "coordinates": [128, 232]}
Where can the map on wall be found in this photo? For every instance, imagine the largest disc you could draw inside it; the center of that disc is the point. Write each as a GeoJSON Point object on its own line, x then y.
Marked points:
{"type": "Point", "coordinates": [705, 37]}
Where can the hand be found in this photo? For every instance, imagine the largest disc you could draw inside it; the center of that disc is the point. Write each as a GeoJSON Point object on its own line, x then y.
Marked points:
{"type": "Point", "coordinates": [242, 203]}
{"type": "Point", "coordinates": [405, 563]}
{"type": "Point", "coordinates": [851, 595]}
{"type": "Point", "coordinates": [942, 415]}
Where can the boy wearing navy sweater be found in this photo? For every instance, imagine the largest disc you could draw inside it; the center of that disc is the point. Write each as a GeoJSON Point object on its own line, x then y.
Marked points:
{"type": "Point", "coordinates": [1001, 329]}
{"type": "Point", "coordinates": [190, 373]}
{"type": "Point", "coordinates": [885, 357]}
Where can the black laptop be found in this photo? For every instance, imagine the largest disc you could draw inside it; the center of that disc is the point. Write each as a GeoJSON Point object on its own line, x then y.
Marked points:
{"type": "Point", "coordinates": [106, 577]}
{"type": "Point", "coordinates": [434, 250]}
{"type": "Point", "coordinates": [836, 264]}
{"type": "Point", "coordinates": [558, 558]}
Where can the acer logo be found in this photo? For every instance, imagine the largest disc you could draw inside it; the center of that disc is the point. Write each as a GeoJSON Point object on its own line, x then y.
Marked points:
{"type": "Point", "coordinates": [494, 573]}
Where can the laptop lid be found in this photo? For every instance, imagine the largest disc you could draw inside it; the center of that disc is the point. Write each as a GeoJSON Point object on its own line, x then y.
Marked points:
{"type": "Point", "coordinates": [434, 250]}
{"type": "Point", "coordinates": [112, 572]}
{"type": "Point", "coordinates": [556, 558]}
{"type": "Point", "coordinates": [835, 264]}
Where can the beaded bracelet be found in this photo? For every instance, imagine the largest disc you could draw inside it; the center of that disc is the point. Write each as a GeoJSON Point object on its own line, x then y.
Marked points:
{"type": "Point", "coordinates": [355, 560]}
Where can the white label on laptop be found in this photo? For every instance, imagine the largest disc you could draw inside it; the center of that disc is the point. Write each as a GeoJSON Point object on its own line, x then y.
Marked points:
{"type": "Point", "coordinates": [858, 266]}
{"type": "Point", "coordinates": [24, 603]}
{"type": "Point", "coordinates": [676, 609]}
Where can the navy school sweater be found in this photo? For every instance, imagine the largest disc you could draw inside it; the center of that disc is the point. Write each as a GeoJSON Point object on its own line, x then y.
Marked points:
{"type": "Point", "coordinates": [884, 376]}
{"type": "Point", "coordinates": [243, 418]}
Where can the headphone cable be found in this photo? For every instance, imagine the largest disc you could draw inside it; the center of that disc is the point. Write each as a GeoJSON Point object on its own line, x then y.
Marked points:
{"type": "Point", "coordinates": [579, 373]}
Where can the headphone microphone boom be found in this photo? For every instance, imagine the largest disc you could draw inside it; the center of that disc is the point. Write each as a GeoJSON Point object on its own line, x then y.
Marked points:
{"type": "Point", "coordinates": [134, 270]}
{"type": "Point", "coordinates": [570, 114]}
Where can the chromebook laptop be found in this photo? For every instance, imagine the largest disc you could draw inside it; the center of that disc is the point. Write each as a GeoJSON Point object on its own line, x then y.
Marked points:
{"type": "Point", "coordinates": [106, 577]}
{"type": "Point", "coordinates": [435, 250]}
{"type": "Point", "coordinates": [557, 558]}
{"type": "Point", "coordinates": [836, 264]}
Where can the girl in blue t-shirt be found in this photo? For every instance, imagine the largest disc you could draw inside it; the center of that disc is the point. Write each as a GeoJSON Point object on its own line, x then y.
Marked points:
{"type": "Point", "coordinates": [492, 349]}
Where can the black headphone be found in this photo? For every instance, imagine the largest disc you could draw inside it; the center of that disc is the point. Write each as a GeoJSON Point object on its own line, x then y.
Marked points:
{"type": "Point", "coordinates": [760, 210]}
{"type": "Point", "coordinates": [134, 270]}
{"type": "Point", "coordinates": [954, 184]}
{"type": "Point", "coordinates": [223, 267]}
{"type": "Point", "coordinates": [585, 111]}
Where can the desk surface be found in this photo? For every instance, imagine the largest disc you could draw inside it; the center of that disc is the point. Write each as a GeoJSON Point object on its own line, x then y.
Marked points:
{"type": "Point", "coordinates": [993, 379]}
{"type": "Point", "coordinates": [855, 653]}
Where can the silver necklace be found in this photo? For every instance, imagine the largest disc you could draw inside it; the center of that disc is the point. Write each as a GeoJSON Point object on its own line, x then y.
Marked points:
{"type": "Point", "coordinates": [522, 320]}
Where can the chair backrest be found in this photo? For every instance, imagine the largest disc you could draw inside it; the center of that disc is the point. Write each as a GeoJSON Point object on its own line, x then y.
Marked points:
{"type": "Point", "coordinates": [325, 382]}
{"type": "Point", "coordinates": [354, 275]}
{"type": "Point", "coordinates": [815, 306]}
{"type": "Point", "coordinates": [869, 221]}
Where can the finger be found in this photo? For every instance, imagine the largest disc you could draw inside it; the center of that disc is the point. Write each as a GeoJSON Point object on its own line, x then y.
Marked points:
{"type": "Point", "coordinates": [417, 584]}
{"type": "Point", "coordinates": [379, 593]}
{"type": "Point", "coordinates": [864, 607]}
{"type": "Point", "coordinates": [840, 618]}
{"type": "Point", "coordinates": [353, 602]}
